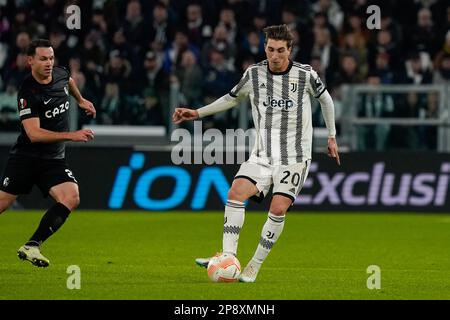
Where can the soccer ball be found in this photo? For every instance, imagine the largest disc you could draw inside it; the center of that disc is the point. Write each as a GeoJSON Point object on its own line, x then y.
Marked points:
{"type": "Point", "coordinates": [224, 267]}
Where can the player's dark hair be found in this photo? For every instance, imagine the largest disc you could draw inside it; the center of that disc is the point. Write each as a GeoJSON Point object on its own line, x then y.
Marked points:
{"type": "Point", "coordinates": [38, 43]}
{"type": "Point", "coordinates": [281, 32]}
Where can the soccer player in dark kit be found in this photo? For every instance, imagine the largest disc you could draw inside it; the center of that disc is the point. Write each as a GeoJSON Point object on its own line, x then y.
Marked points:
{"type": "Point", "coordinates": [38, 156]}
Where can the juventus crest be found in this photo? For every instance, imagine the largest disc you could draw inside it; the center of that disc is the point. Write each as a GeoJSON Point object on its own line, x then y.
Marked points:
{"type": "Point", "coordinates": [293, 86]}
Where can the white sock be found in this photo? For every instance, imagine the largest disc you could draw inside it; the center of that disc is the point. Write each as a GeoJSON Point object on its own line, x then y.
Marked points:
{"type": "Point", "coordinates": [234, 220]}
{"type": "Point", "coordinates": [269, 235]}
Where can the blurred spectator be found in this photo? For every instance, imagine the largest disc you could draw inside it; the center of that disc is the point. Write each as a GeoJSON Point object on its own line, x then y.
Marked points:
{"type": "Point", "coordinates": [161, 31]}
{"type": "Point", "coordinates": [424, 35]}
{"type": "Point", "coordinates": [99, 23]}
{"type": "Point", "coordinates": [416, 73]}
{"type": "Point", "coordinates": [109, 111]}
{"type": "Point", "coordinates": [228, 21]}
{"type": "Point", "coordinates": [18, 70]}
{"type": "Point", "coordinates": [444, 51]}
{"type": "Point", "coordinates": [354, 25]}
{"type": "Point", "coordinates": [385, 44]}
{"type": "Point", "coordinates": [355, 46]}
{"type": "Point", "coordinates": [392, 25]}
{"type": "Point", "coordinates": [259, 23]}
{"type": "Point", "coordinates": [22, 41]}
{"type": "Point", "coordinates": [5, 25]}
{"type": "Point", "coordinates": [91, 51]}
{"type": "Point", "coordinates": [328, 53]}
{"type": "Point", "coordinates": [62, 52]}
{"type": "Point", "coordinates": [349, 71]}
{"type": "Point", "coordinates": [289, 17]}
{"type": "Point", "coordinates": [333, 11]}
{"type": "Point", "coordinates": [383, 70]}
{"type": "Point", "coordinates": [271, 9]}
{"type": "Point", "coordinates": [134, 26]}
{"type": "Point", "coordinates": [320, 21]}
{"type": "Point", "coordinates": [198, 30]}
{"type": "Point", "coordinates": [155, 91]}
{"type": "Point", "coordinates": [407, 137]}
{"type": "Point", "coordinates": [189, 76]}
{"type": "Point", "coordinates": [172, 55]}
{"type": "Point", "coordinates": [9, 117]}
{"type": "Point", "coordinates": [374, 105]}
{"type": "Point", "coordinates": [253, 47]}
{"type": "Point", "coordinates": [118, 70]}
{"type": "Point", "coordinates": [219, 41]}
{"type": "Point", "coordinates": [223, 36]}
{"type": "Point", "coordinates": [432, 112]}
{"type": "Point", "coordinates": [23, 23]}
{"type": "Point", "coordinates": [217, 81]}
{"type": "Point", "coordinates": [442, 72]}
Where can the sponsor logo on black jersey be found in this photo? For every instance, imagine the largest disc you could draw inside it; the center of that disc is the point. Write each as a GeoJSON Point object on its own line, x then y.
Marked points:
{"type": "Point", "coordinates": [57, 110]}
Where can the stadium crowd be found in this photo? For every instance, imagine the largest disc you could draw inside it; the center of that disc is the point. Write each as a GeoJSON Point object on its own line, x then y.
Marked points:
{"type": "Point", "coordinates": [128, 53]}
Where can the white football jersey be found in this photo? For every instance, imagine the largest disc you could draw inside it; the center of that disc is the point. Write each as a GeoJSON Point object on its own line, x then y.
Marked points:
{"type": "Point", "coordinates": [281, 109]}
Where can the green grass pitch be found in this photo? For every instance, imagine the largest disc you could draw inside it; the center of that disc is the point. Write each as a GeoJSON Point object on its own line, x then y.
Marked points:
{"type": "Point", "coordinates": [147, 255]}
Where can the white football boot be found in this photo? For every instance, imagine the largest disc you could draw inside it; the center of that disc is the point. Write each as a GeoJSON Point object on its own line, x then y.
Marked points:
{"type": "Point", "coordinates": [33, 254]}
{"type": "Point", "coordinates": [202, 262]}
{"type": "Point", "coordinates": [250, 272]}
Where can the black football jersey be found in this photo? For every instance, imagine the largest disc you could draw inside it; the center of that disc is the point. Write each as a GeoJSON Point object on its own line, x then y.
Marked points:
{"type": "Point", "coordinates": [50, 103]}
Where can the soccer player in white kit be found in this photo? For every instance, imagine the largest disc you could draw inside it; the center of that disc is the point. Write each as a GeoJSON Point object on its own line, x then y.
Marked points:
{"type": "Point", "coordinates": [279, 90]}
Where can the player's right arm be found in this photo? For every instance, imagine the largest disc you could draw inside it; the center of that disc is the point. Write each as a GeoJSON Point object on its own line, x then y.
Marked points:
{"type": "Point", "coordinates": [224, 103]}
{"type": "Point", "coordinates": [39, 135]}
{"type": "Point", "coordinates": [29, 116]}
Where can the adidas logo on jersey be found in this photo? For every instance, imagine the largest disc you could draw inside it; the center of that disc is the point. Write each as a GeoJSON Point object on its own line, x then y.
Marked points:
{"type": "Point", "coordinates": [262, 86]}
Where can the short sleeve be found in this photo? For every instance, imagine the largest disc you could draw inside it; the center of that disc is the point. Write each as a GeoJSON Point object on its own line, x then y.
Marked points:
{"type": "Point", "coordinates": [26, 105]}
{"type": "Point", "coordinates": [243, 86]}
{"type": "Point", "coordinates": [316, 86]}
{"type": "Point", "coordinates": [65, 72]}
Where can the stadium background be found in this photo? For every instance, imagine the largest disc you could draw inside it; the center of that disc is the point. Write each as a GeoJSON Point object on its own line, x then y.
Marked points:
{"type": "Point", "coordinates": [137, 60]}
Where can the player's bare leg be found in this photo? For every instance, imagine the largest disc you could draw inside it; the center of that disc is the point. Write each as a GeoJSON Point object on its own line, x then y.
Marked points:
{"type": "Point", "coordinates": [67, 199]}
{"type": "Point", "coordinates": [240, 191]}
{"type": "Point", "coordinates": [67, 194]}
{"type": "Point", "coordinates": [270, 233]}
{"type": "Point", "coordinates": [6, 200]}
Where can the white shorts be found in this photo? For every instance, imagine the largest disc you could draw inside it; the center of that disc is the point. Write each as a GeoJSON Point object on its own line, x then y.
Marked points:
{"type": "Point", "coordinates": [286, 180]}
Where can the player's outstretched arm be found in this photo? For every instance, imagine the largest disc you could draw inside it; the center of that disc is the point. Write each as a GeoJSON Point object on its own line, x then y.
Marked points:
{"type": "Point", "coordinates": [84, 104]}
{"type": "Point", "coordinates": [222, 104]}
{"type": "Point", "coordinates": [184, 114]}
{"type": "Point", "coordinates": [39, 135]}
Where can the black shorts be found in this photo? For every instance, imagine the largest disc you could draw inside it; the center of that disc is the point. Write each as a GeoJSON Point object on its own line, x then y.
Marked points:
{"type": "Point", "coordinates": [22, 172]}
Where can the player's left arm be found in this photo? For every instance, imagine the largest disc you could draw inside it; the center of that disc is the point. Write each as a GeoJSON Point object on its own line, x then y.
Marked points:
{"type": "Point", "coordinates": [320, 92]}
{"type": "Point", "coordinates": [83, 103]}
{"type": "Point", "coordinates": [327, 105]}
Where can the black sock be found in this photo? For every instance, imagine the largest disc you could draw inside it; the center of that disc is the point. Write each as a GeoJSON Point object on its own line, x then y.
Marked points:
{"type": "Point", "coordinates": [52, 220]}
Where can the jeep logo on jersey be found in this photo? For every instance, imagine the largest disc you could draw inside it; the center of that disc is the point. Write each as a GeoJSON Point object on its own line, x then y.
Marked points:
{"type": "Point", "coordinates": [22, 103]}
{"type": "Point", "coordinates": [285, 104]}
{"type": "Point", "coordinates": [56, 111]}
